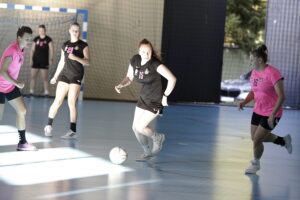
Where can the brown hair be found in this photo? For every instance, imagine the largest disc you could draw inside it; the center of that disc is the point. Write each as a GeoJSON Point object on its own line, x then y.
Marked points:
{"type": "Point", "coordinates": [154, 52]}
{"type": "Point", "coordinates": [261, 52]}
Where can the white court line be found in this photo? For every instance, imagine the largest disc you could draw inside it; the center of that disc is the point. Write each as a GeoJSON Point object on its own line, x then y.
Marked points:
{"type": "Point", "coordinates": [9, 136]}
{"type": "Point", "coordinates": [97, 189]}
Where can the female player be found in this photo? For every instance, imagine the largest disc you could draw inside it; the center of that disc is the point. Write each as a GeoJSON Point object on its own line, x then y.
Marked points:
{"type": "Point", "coordinates": [10, 65]}
{"type": "Point", "coordinates": [74, 56]}
{"type": "Point", "coordinates": [41, 57]}
{"type": "Point", "coordinates": [147, 69]}
{"type": "Point", "coordinates": [268, 94]}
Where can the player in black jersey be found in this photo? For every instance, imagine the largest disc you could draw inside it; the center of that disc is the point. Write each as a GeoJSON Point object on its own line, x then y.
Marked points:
{"type": "Point", "coordinates": [41, 57]}
{"type": "Point", "coordinates": [147, 69]}
{"type": "Point", "coordinates": [74, 56]}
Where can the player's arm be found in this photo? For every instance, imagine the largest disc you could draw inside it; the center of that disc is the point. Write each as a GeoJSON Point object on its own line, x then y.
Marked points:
{"type": "Point", "coordinates": [50, 53]}
{"type": "Point", "coordinates": [32, 50]}
{"type": "Point", "coordinates": [127, 80]}
{"type": "Point", "coordinates": [85, 60]}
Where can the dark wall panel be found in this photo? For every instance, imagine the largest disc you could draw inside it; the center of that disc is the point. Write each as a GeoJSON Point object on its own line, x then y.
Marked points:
{"type": "Point", "coordinates": [192, 47]}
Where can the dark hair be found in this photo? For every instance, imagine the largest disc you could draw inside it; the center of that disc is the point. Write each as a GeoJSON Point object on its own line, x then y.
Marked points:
{"type": "Point", "coordinates": [42, 26]}
{"type": "Point", "coordinates": [24, 29]}
{"type": "Point", "coordinates": [261, 52]}
{"type": "Point", "coordinates": [154, 52]}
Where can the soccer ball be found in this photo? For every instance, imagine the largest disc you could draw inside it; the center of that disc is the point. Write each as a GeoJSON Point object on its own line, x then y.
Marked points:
{"type": "Point", "coordinates": [117, 155]}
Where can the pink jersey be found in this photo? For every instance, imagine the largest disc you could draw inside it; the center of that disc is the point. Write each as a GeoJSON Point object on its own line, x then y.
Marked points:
{"type": "Point", "coordinates": [262, 84]}
{"type": "Point", "coordinates": [18, 56]}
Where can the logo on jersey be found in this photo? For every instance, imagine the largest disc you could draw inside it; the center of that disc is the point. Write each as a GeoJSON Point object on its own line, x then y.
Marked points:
{"type": "Point", "coordinates": [256, 80]}
{"type": "Point", "coordinates": [146, 71]}
{"type": "Point", "coordinates": [136, 72]}
{"type": "Point", "coordinates": [41, 43]}
{"type": "Point", "coordinates": [77, 48]}
{"type": "Point", "coordinates": [141, 75]}
{"type": "Point", "coordinates": [69, 50]}
{"type": "Point", "coordinates": [78, 81]}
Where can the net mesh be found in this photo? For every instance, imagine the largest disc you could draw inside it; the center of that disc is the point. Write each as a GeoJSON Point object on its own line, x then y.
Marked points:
{"type": "Point", "coordinates": [114, 31]}
{"type": "Point", "coordinates": [57, 25]}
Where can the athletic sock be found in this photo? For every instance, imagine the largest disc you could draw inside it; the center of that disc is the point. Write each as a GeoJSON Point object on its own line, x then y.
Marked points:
{"type": "Point", "coordinates": [50, 121]}
{"type": "Point", "coordinates": [22, 138]}
{"type": "Point", "coordinates": [280, 141]}
{"type": "Point", "coordinates": [73, 126]}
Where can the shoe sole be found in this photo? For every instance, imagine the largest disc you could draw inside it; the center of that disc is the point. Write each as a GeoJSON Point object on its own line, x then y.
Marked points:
{"type": "Point", "coordinates": [21, 149]}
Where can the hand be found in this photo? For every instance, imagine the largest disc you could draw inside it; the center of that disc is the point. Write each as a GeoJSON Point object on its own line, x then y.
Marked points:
{"type": "Point", "coordinates": [241, 105]}
{"type": "Point", "coordinates": [118, 88]}
{"type": "Point", "coordinates": [164, 101]}
{"type": "Point", "coordinates": [20, 84]}
{"type": "Point", "coordinates": [271, 121]}
{"type": "Point", "coordinates": [53, 80]}
{"type": "Point", "coordinates": [72, 56]}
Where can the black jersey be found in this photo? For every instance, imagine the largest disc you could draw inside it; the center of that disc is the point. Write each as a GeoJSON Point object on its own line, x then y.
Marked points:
{"type": "Point", "coordinates": [41, 53]}
{"type": "Point", "coordinates": [147, 75]}
{"type": "Point", "coordinates": [72, 68]}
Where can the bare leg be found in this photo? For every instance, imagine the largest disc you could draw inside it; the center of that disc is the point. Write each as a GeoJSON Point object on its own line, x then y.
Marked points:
{"type": "Point", "coordinates": [1, 110]}
{"type": "Point", "coordinates": [61, 91]}
{"type": "Point", "coordinates": [33, 75]}
{"type": "Point", "coordinates": [45, 75]}
{"type": "Point", "coordinates": [72, 98]}
{"type": "Point", "coordinates": [19, 105]}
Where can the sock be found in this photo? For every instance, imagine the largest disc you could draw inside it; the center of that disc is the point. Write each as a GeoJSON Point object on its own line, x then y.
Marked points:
{"type": "Point", "coordinates": [50, 121]}
{"type": "Point", "coordinates": [46, 92]}
{"type": "Point", "coordinates": [146, 148]}
{"type": "Point", "coordinates": [154, 135]}
{"type": "Point", "coordinates": [31, 91]}
{"type": "Point", "coordinates": [22, 138]}
{"type": "Point", "coordinates": [255, 161]}
{"type": "Point", "coordinates": [280, 141]}
{"type": "Point", "coordinates": [73, 126]}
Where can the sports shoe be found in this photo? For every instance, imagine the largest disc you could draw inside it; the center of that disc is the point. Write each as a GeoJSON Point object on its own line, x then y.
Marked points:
{"type": "Point", "coordinates": [157, 143]}
{"type": "Point", "coordinates": [26, 147]}
{"type": "Point", "coordinates": [69, 135]}
{"type": "Point", "coordinates": [48, 130]}
{"type": "Point", "coordinates": [253, 168]}
{"type": "Point", "coordinates": [145, 156]}
{"type": "Point", "coordinates": [288, 143]}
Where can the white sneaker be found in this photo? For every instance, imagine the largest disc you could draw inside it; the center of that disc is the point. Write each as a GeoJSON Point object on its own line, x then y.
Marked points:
{"type": "Point", "coordinates": [48, 130]}
{"type": "Point", "coordinates": [157, 143]}
{"type": "Point", "coordinates": [69, 135]}
{"type": "Point", "coordinates": [253, 168]}
{"type": "Point", "coordinates": [288, 143]}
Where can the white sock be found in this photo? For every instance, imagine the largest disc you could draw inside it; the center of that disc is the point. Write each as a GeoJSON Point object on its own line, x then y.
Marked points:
{"type": "Point", "coordinates": [154, 135]}
{"type": "Point", "coordinates": [255, 161]}
{"type": "Point", "coordinates": [146, 148]}
{"type": "Point", "coordinates": [31, 91]}
{"type": "Point", "coordinates": [46, 92]}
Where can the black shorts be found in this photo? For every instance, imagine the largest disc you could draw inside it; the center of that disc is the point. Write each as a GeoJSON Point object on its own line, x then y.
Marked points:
{"type": "Point", "coordinates": [15, 93]}
{"type": "Point", "coordinates": [154, 107]}
{"type": "Point", "coordinates": [40, 66]}
{"type": "Point", "coordinates": [263, 121]}
{"type": "Point", "coordinates": [75, 80]}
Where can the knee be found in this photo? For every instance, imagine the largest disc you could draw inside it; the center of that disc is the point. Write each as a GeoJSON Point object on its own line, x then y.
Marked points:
{"type": "Point", "coordinates": [72, 104]}
{"type": "Point", "coordinates": [257, 140]}
{"type": "Point", "coordinates": [22, 111]}
{"type": "Point", "coordinates": [139, 128]}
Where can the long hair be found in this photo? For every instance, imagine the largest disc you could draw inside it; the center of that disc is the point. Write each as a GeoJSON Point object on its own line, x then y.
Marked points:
{"type": "Point", "coordinates": [154, 52]}
{"type": "Point", "coordinates": [261, 52]}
